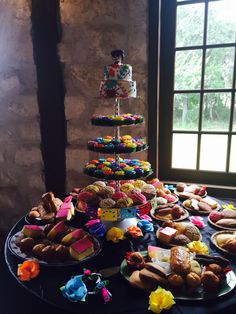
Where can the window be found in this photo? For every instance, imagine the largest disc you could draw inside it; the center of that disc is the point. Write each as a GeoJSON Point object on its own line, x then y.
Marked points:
{"type": "Point", "coordinates": [197, 103]}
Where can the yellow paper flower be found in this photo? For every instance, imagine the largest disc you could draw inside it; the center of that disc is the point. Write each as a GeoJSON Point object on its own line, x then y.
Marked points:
{"type": "Point", "coordinates": [115, 235]}
{"type": "Point", "coordinates": [229, 206]}
{"type": "Point", "coordinates": [160, 299]}
{"type": "Point", "coordinates": [198, 247]}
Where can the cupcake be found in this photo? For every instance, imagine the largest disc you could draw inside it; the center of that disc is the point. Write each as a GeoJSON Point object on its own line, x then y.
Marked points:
{"type": "Point", "coordinates": [107, 203]}
{"type": "Point", "coordinates": [124, 202]}
{"type": "Point", "coordinates": [149, 191]}
{"type": "Point", "coordinates": [117, 195]}
{"type": "Point", "coordinates": [138, 198]}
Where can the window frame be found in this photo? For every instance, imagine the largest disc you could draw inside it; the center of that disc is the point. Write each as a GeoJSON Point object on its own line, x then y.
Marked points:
{"type": "Point", "coordinates": [161, 65]}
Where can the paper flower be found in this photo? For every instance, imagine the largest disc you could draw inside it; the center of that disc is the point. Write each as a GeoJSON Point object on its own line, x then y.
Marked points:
{"type": "Point", "coordinates": [134, 231]}
{"type": "Point", "coordinates": [229, 206]}
{"type": "Point", "coordinates": [145, 225]}
{"type": "Point", "coordinates": [198, 247]}
{"type": "Point", "coordinates": [75, 289]}
{"type": "Point", "coordinates": [146, 217]}
{"type": "Point", "coordinates": [160, 299]}
{"type": "Point", "coordinates": [28, 270]}
{"type": "Point", "coordinates": [96, 227]}
{"type": "Point", "coordinates": [197, 221]}
{"type": "Point", "coordinates": [115, 234]}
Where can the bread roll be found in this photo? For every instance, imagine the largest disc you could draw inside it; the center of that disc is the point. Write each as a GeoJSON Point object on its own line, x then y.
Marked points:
{"type": "Point", "coordinates": [221, 239]}
{"type": "Point", "coordinates": [226, 222]}
{"type": "Point", "coordinates": [180, 260]}
{"type": "Point", "coordinates": [155, 268]}
{"type": "Point", "coordinates": [228, 213]}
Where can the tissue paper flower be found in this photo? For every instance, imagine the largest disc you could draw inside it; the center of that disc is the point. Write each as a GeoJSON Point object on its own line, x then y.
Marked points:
{"type": "Point", "coordinates": [96, 227]}
{"type": "Point", "coordinates": [160, 299]}
{"type": "Point", "coordinates": [198, 247]}
{"type": "Point", "coordinates": [115, 234]}
{"type": "Point", "coordinates": [146, 217]}
{"type": "Point", "coordinates": [197, 221]}
{"type": "Point", "coordinates": [229, 206]}
{"type": "Point", "coordinates": [75, 289]}
{"type": "Point", "coordinates": [28, 270]}
{"type": "Point", "coordinates": [134, 231]}
{"type": "Point", "coordinates": [145, 225]}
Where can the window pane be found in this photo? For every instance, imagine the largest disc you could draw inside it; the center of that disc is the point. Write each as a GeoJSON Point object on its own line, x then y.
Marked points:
{"type": "Point", "coordinates": [216, 111]}
{"type": "Point", "coordinates": [221, 22]}
{"type": "Point", "coordinates": [189, 25]}
{"type": "Point", "coordinates": [219, 68]}
{"type": "Point", "coordinates": [213, 152]}
{"type": "Point", "coordinates": [232, 165]}
{"type": "Point", "coordinates": [234, 121]}
{"type": "Point", "coordinates": [180, 157]}
{"type": "Point", "coordinates": [186, 111]}
{"type": "Point", "coordinates": [188, 69]}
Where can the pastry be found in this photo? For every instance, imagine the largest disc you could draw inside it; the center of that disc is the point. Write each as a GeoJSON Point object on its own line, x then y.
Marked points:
{"type": "Point", "coordinates": [147, 275]}
{"type": "Point", "coordinates": [209, 201]}
{"type": "Point", "coordinates": [37, 249]}
{"type": "Point", "coordinates": [62, 253]}
{"type": "Point", "coordinates": [91, 188]}
{"type": "Point", "coordinates": [32, 231]}
{"type": "Point", "coordinates": [48, 253]}
{"type": "Point", "coordinates": [222, 238]}
{"type": "Point", "coordinates": [124, 202]}
{"type": "Point", "coordinates": [58, 228]}
{"type": "Point", "coordinates": [215, 216]}
{"type": "Point", "coordinates": [180, 186]}
{"type": "Point", "coordinates": [26, 245]}
{"type": "Point", "coordinates": [107, 203]}
{"type": "Point", "coordinates": [50, 202]}
{"type": "Point", "coordinates": [180, 260]}
{"type": "Point", "coordinates": [137, 282]}
{"type": "Point", "coordinates": [100, 184]}
{"type": "Point", "coordinates": [155, 268]}
{"type": "Point", "coordinates": [230, 245]}
{"type": "Point", "coordinates": [118, 195]}
{"type": "Point", "coordinates": [138, 198]}
{"type": "Point", "coordinates": [73, 236]}
{"type": "Point", "coordinates": [180, 239]}
{"type": "Point", "coordinates": [169, 223]}
{"type": "Point", "coordinates": [176, 281]}
{"type": "Point", "coordinates": [228, 213]}
{"type": "Point", "coordinates": [210, 281]}
{"type": "Point", "coordinates": [149, 191]}
{"type": "Point", "coordinates": [65, 212]}
{"type": "Point", "coordinates": [204, 206]}
{"type": "Point", "coordinates": [177, 211]}
{"type": "Point", "coordinates": [166, 234]}
{"type": "Point", "coordinates": [193, 280]}
{"type": "Point", "coordinates": [226, 222]}
{"type": "Point", "coordinates": [47, 228]}
{"type": "Point", "coordinates": [192, 232]}
{"type": "Point", "coordinates": [81, 249]}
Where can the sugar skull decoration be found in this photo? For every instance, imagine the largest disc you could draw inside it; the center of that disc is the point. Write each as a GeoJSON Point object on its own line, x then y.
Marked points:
{"type": "Point", "coordinates": [117, 56]}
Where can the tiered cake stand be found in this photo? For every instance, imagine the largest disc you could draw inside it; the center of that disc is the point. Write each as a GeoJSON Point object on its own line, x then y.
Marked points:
{"type": "Point", "coordinates": [120, 223]}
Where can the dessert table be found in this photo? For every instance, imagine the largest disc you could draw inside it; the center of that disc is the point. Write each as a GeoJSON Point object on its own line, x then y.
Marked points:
{"type": "Point", "coordinates": [125, 299]}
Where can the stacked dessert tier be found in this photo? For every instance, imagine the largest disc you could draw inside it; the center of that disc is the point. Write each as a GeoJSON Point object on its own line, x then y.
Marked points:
{"type": "Point", "coordinates": [117, 85]}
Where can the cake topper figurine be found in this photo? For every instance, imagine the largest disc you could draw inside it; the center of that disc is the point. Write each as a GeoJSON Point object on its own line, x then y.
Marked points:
{"type": "Point", "coordinates": [117, 56]}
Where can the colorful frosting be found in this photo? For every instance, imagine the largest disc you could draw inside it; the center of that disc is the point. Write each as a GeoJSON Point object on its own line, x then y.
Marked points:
{"type": "Point", "coordinates": [109, 168]}
{"type": "Point", "coordinates": [112, 120]}
{"type": "Point", "coordinates": [117, 81]}
{"type": "Point", "coordinates": [117, 72]}
{"type": "Point", "coordinates": [117, 89]}
{"type": "Point", "coordinates": [124, 144]}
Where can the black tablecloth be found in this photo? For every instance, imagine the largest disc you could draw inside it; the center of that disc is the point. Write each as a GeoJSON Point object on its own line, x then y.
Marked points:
{"type": "Point", "coordinates": [125, 299]}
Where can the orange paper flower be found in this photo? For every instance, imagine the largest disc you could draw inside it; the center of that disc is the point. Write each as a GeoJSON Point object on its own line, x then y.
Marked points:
{"type": "Point", "coordinates": [134, 231]}
{"type": "Point", "coordinates": [28, 270]}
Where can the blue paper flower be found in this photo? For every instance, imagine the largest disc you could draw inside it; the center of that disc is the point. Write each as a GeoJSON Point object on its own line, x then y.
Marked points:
{"type": "Point", "coordinates": [145, 226]}
{"type": "Point", "coordinates": [75, 289]}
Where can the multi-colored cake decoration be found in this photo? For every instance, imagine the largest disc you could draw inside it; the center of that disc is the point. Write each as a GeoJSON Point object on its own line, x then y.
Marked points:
{"type": "Point", "coordinates": [117, 120]}
{"type": "Point", "coordinates": [124, 144]}
{"type": "Point", "coordinates": [117, 81]}
{"type": "Point", "coordinates": [123, 169]}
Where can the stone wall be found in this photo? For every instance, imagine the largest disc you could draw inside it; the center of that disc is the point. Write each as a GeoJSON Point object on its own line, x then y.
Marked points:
{"type": "Point", "coordinates": [21, 181]}
{"type": "Point", "coordinates": [91, 29]}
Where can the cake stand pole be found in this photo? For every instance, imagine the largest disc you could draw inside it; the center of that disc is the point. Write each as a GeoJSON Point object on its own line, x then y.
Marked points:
{"type": "Point", "coordinates": [117, 137]}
